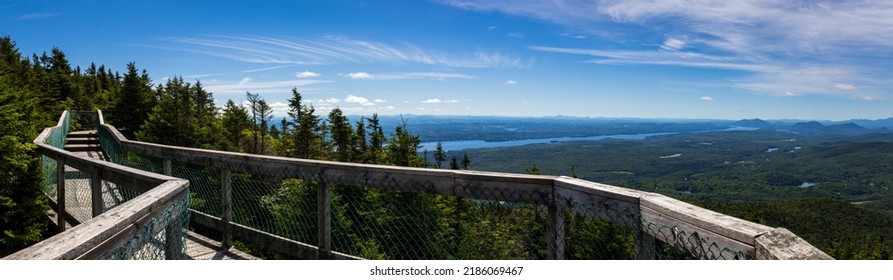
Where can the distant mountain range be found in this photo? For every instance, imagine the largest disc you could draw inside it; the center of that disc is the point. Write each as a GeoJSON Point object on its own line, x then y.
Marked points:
{"type": "Point", "coordinates": [501, 128]}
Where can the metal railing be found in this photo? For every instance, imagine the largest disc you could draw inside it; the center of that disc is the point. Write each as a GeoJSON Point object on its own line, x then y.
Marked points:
{"type": "Point", "coordinates": [310, 209]}
{"type": "Point", "coordinates": [116, 212]}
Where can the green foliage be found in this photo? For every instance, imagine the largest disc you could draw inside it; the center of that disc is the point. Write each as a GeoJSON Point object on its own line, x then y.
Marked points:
{"type": "Point", "coordinates": [184, 115]}
{"type": "Point", "coordinates": [21, 199]}
{"type": "Point", "coordinates": [235, 121]}
{"type": "Point", "coordinates": [838, 228]}
{"type": "Point", "coordinates": [736, 173]}
{"type": "Point", "coordinates": [135, 103]}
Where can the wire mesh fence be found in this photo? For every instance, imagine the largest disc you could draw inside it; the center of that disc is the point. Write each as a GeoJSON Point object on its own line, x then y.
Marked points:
{"type": "Point", "coordinates": [162, 238]}
{"type": "Point", "coordinates": [365, 212]}
{"type": "Point", "coordinates": [386, 218]}
{"type": "Point", "coordinates": [164, 232]}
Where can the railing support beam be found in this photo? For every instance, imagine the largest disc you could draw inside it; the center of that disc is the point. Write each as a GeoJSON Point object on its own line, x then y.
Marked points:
{"type": "Point", "coordinates": [644, 245]}
{"type": "Point", "coordinates": [96, 191]}
{"type": "Point", "coordinates": [226, 206]}
{"type": "Point", "coordinates": [60, 193]}
{"type": "Point", "coordinates": [324, 220]}
{"type": "Point", "coordinates": [166, 167]}
{"type": "Point", "coordinates": [555, 229]}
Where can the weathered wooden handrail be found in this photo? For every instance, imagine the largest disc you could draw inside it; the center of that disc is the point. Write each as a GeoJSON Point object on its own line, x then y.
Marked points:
{"type": "Point", "coordinates": [654, 212]}
{"type": "Point", "coordinates": [106, 232]}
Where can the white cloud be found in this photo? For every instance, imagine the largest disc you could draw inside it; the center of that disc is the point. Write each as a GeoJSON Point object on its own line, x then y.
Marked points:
{"type": "Point", "coordinates": [245, 80]}
{"type": "Point", "coordinates": [672, 44]}
{"type": "Point", "coordinates": [330, 50]}
{"type": "Point", "coordinates": [329, 101]}
{"type": "Point", "coordinates": [441, 76]}
{"type": "Point", "coordinates": [231, 87]}
{"type": "Point", "coordinates": [706, 98]}
{"type": "Point", "coordinates": [380, 100]}
{"type": "Point", "coordinates": [34, 16]}
{"type": "Point", "coordinates": [360, 76]}
{"type": "Point", "coordinates": [280, 110]}
{"type": "Point", "coordinates": [844, 87]}
{"type": "Point", "coordinates": [438, 100]}
{"type": "Point", "coordinates": [511, 82]}
{"type": "Point", "coordinates": [773, 40]}
{"type": "Point", "coordinates": [358, 100]}
{"type": "Point", "coordinates": [307, 74]}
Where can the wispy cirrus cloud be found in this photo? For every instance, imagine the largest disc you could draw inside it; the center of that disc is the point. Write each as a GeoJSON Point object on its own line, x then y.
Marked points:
{"type": "Point", "coordinates": [408, 75]}
{"type": "Point", "coordinates": [438, 100]}
{"type": "Point", "coordinates": [35, 16]}
{"type": "Point", "coordinates": [248, 84]}
{"type": "Point", "coordinates": [833, 42]}
{"type": "Point", "coordinates": [331, 50]}
{"type": "Point", "coordinates": [237, 72]}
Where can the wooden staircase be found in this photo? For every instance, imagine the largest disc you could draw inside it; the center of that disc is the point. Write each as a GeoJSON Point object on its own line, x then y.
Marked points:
{"type": "Point", "coordinates": [84, 142]}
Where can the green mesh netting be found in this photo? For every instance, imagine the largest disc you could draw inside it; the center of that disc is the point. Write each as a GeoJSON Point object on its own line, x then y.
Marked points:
{"type": "Point", "coordinates": [162, 238]}
{"type": "Point", "coordinates": [164, 235]}
{"type": "Point", "coordinates": [386, 220]}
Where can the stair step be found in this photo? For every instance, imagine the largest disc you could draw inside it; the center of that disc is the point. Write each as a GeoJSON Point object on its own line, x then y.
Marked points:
{"type": "Point", "coordinates": [82, 147]}
{"type": "Point", "coordinates": [82, 141]}
{"type": "Point", "coordinates": [83, 134]}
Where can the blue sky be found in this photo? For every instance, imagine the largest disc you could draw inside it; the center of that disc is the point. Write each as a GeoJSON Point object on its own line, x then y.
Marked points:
{"type": "Point", "coordinates": [669, 59]}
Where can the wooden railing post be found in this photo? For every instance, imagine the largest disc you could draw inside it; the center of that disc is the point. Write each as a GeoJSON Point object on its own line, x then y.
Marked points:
{"type": "Point", "coordinates": [555, 229]}
{"type": "Point", "coordinates": [324, 220]}
{"type": "Point", "coordinates": [96, 191]}
{"type": "Point", "coordinates": [226, 207]}
{"type": "Point", "coordinates": [174, 233]}
{"type": "Point", "coordinates": [644, 244]}
{"type": "Point", "coordinates": [60, 193]}
{"type": "Point", "coordinates": [166, 167]}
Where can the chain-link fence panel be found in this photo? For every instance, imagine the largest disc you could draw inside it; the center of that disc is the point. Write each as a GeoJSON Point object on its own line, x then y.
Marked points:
{"type": "Point", "coordinates": [162, 237]}
{"type": "Point", "coordinates": [78, 196]}
{"type": "Point", "coordinates": [674, 243]}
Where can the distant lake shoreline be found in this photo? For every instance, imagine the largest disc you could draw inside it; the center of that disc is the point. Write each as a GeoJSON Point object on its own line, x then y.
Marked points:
{"type": "Point", "coordinates": [481, 144]}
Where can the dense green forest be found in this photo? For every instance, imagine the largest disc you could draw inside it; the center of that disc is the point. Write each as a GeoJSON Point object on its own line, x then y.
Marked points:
{"type": "Point", "coordinates": [35, 90]}
{"type": "Point", "coordinates": [832, 190]}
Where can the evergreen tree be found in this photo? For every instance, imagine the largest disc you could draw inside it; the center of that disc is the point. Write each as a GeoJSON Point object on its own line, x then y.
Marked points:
{"type": "Point", "coordinates": [132, 108]}
{"type": "Point", "coordinates": [305, 134]}
{"type": "Point", "coordinates": [22, 201]}
{"type": "Point", "coordinates": [376, 140]}
{"type": "Point", "coordinates": [439, 155]}
{"type": "Point", "coordinates": [454, 164]}
{"type": "Point", "coordinates": [172, 119]}
{"type": "Point", "coordinates": [359, 142]}
{"type": "Point", "coordinates": [342, 134]}
{"type": "Point", "coordinates": [465, 161]}
{"type": "Point", "coordinates": [235, 121]}
{"type": "Point", "coordinates": [403, 148]}
{"type": "Point", "coordinates": [208, 127]}
{"type": "Point", "coordinates": [264, 114]}
{"type": "Point", "coordinates": [253, 99]}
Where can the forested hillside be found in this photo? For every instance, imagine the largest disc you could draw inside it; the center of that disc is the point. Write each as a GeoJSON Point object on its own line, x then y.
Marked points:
{"type": "Point", "coordinates": [833, 189]}
{"type": "Point", "coordinates": [35, 90]}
